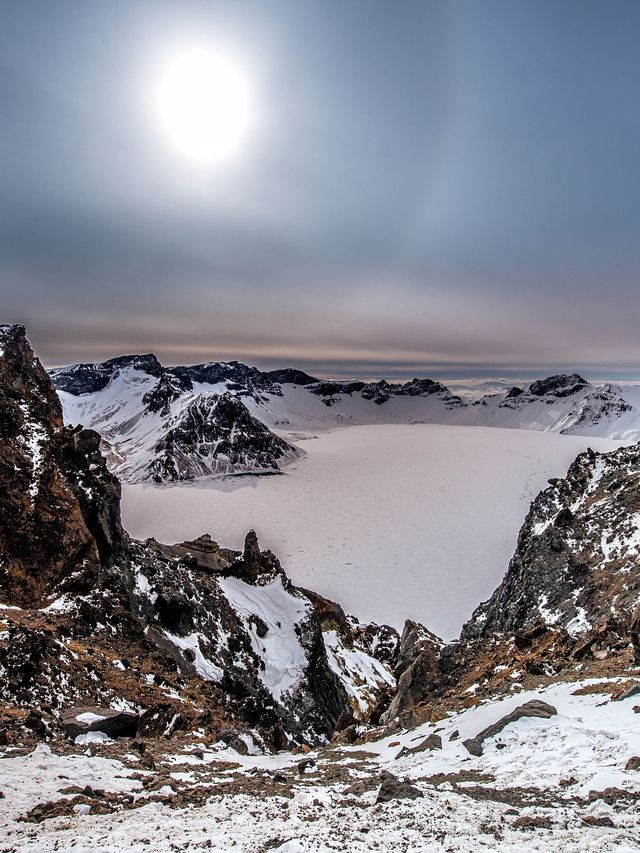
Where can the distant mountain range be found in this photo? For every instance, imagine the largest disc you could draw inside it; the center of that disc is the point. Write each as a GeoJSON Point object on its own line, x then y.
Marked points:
{"type": "Point", "coordinates": [179, 423]}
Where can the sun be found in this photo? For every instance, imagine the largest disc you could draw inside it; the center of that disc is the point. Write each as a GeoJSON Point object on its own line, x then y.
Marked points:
{"type": "Point", "coordinates": [203, 104]}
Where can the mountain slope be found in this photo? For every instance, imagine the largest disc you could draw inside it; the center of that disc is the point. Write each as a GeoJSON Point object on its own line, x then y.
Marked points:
{"type": "Point", "coordinates": [576, 563]}
{"type": "Point", "coordinates": [162, 426]}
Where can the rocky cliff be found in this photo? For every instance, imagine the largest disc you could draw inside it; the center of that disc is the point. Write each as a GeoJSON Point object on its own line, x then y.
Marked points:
{"type": "Point", "coordinates": [60, 506]}
{"type": "Point", "coordinates": [190, 632]}
{"type": "Point", "coordinates": [577, 561]}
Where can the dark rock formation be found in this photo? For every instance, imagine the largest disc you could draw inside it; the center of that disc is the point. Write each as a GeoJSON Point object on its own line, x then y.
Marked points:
{"type": "Point", "coordinates": [416, 670]}
{"type": "Point", "coordinates": [576, 562]}
{"type": "Point", "coordinates": [89, 718]}
{"type": "Point", "coordinates": [290, 376]}
{"type": "Point", "coordinates": [88, 378]}
{"type": "Point", "coordinates": [533, 708]}
{"type": "Point", "coordinates": [431, 742]}
{"type": "Point", "coordinates": [392, 788]}
{"type": "Point", "coordinates": [558, 386]}
{"type": "Point", "coordinates": [217, 435]}
{"type": "Point", "coordinates": [168, 389]}
{"type": "Point", "coordinates": [60, 505]}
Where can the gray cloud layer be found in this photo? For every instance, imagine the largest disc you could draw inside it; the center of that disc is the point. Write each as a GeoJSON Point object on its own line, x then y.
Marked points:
{"type": "Point", "coordinates": [429, 187]}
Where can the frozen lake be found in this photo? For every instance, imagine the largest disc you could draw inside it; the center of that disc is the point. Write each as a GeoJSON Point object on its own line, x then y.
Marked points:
{"type": "Point", "coordinates": [393, 522]}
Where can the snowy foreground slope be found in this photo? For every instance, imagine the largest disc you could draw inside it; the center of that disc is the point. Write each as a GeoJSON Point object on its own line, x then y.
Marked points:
{"type": "Point", "coordinates": [163, 424]}
{"type": "Point", "coordinates": [557, 784]}
{"type": "Point", "coordinates": [393, 521]}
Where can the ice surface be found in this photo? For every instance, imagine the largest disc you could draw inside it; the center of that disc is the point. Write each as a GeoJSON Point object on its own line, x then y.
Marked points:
{"type": "Point", "coordinates": [392, 521]}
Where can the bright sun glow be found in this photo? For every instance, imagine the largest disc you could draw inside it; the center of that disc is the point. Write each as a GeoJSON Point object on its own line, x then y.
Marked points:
{"type": "Point", "coordinates": [203, 103]}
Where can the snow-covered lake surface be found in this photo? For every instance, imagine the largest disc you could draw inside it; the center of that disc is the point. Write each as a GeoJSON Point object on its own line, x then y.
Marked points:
{"type": "Point", "coordinates": [392, 521]}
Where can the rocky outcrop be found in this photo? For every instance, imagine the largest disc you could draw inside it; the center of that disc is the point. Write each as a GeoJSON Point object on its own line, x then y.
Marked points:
{"type": "Point", "coordinates": [576, 562]}
{"type": "Point", "coordinates": [533, 708]}
{"type": "Point", "coordinates": [88, 378]}
{"type": "Point", "coordinates": [217, 436]}
{"type": "Point", "coordinates": [417, 673]}
{"type": "Point", "coordinates": [88, 718]}
{"type": "Point", "coordinates": [558, 386]}
{"type": "Point", "coordinates": [60, 506]}
{"type": "Point", "coordinates": [290, 376]}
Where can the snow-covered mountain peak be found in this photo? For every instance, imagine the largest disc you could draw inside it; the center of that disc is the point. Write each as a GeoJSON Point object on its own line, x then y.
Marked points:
{"type": "Point", "coordinates": [561, 385]}
{"type": "Point", "coordinates": [220, 418]}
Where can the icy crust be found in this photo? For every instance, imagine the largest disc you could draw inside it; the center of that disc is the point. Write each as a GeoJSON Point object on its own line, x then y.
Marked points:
{"type": "Point", "coordinates": [577, 560]}
{"type": "Point", "coordinates": [557, 785]}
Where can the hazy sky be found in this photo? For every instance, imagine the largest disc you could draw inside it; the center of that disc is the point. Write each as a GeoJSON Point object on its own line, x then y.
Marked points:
{"type": "Point", "coordinates": [425, 187]}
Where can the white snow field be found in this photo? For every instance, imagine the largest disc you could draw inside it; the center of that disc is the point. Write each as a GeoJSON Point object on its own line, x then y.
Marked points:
{"type": "Point", "coordinates": [392, 521]}
{"type": "Point", "coordinates": [553, 770]}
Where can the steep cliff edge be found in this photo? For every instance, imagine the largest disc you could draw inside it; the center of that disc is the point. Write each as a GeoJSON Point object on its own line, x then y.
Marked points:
{"type": "Point", "coordinates": [60, 505]}
{"type": "Point", "coordinates": [576, 565]}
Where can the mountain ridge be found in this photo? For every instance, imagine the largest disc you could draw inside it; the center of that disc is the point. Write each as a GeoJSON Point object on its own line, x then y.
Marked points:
{"type": "Point", "coordinates": [139, 407]}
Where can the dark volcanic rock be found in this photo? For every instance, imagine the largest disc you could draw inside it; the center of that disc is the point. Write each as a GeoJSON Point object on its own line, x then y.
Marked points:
{"type": "Point", "coordinates": [382, 390]}
{"type": "Point", "coordinates": [168, 389]}
{"type": "Point", "coordinates": [558, 386]}
{"type": "Point", "coordinates": [392, 788]}
{"type": "Point", "coordinates": [533, 708]}
{"type": "Point", "coordinates": [514, 392]}
{"type": "Point", "coordinates": [218, 435]}
{"type": "Point", "coordinates": [416, 670]}
{"type": "Point", "coordinates": [290, 376]}
{"type": "Point", "coordinates": [50, 520]}
{"type": "Point", "coordinates": [83, 719]}
{"type": "Point", "coordinates": [88, 378]}
{"type": "Point", "coordinates": [238, 377]}
{"type": "Point", "coordinates": [576, 561]}
{"type": "Point", "coordinates": [433, 741]}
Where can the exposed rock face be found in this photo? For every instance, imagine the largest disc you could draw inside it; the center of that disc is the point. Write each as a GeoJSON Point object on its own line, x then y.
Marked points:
{"type": "Point", "coordinates": [533, 708]}
{"type": "Point", "coordinates": [89, 378]}
{"type": "Point", "coordinates": [247, 630]}
{"type": "Point", "coordinates": [576, 563]}
{"type": "Point", "coordinates": [416, 670]}
{"type": "Point", "coordinates": [290, 376]}
{"type": "Point", "coordinates": [54, 522]}
{"type": "Point", "coordinates": [217, 436]}
{"type": "Point", "coordinates": [558, 386]}
{"type": "Point", "coordinates": [382, 391]}
{"type": "Point", "coordinates": [89, 718]}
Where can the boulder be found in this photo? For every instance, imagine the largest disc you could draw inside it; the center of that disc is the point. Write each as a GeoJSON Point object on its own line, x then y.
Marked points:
{"type": "Point", "coordinates": [88, 718]}
{"type": "Point", "coordinates": [431, 742]}
{"type": "Point", "coordinates": [392, 788]}
{"type": "Point", "coordinates": [533, 708]}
